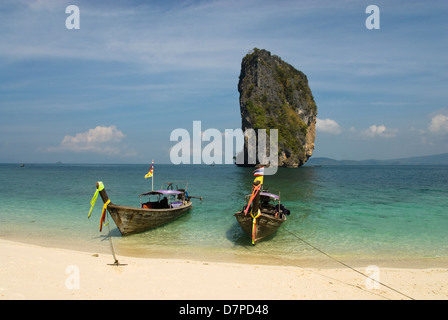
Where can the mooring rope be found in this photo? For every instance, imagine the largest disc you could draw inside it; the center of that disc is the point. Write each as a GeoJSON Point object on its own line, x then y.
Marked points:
{"type": "Point", "coordinates": [346, 265]}
{"type": "Point", "coordinates": [116, 263]}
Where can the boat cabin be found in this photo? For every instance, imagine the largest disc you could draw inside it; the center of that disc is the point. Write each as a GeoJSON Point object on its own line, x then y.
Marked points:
{"type": "Point", "coordinates": [163, 199]}
{"type": "Point", "coordinates": [270, 204]}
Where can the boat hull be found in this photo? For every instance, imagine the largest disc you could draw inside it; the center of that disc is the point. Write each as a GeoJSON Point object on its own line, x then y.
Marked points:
{"type": "Point", "coordinates": [131, 220]}
{"type": "Point", "coordinates": [265, 226]}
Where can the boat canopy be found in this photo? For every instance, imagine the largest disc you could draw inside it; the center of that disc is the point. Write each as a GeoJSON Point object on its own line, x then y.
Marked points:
{"type": "Point", "coordinates": [270, 195]}
{"type": "Point", "coordinates": [163, 192]}
{"type": "Point", "coordinates": [267, 194]}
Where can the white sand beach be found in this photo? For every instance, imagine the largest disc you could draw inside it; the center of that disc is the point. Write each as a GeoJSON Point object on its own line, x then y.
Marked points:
{"type": "Point", "coordinates": [33, 272]}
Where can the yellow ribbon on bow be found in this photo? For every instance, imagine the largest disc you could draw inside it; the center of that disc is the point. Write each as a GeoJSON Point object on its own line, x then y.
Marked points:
{"type": "Point", "coordinates": [103, 215]}
{"type": "Point", "coordinates": [254, 223]}
{"type": "Point", "coordinates": [95, 195]}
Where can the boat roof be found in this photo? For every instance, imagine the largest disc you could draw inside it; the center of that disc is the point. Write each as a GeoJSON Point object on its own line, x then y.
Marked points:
{"type": "Point", "coordinates": [164, 192]}
{"type": "Point", "coordinates": [270, 195]}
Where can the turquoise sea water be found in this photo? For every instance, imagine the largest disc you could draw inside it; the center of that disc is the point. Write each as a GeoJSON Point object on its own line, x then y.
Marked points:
{"type": "Point", "coordinates": [350, 212]}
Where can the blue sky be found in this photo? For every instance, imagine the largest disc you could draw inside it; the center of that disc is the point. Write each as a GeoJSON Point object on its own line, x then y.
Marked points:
{"type": "Point", "coordinates": [114, 90]}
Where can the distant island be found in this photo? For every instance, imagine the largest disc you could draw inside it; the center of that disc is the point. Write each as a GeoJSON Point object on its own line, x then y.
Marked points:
{"type": "Point", "coordinates": [438, 159]}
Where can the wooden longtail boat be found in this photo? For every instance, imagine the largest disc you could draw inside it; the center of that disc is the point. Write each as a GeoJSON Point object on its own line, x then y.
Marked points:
{"type": "Point", "coordinates": [261, 217]}
{"type": "Point", "coordinates": [169, 205]}
{"type": "Point", "coordinates": [269, 220]}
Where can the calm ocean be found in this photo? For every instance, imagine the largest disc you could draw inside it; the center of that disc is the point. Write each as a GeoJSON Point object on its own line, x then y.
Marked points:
{"type": "Point", "coordinates": [350, 212]}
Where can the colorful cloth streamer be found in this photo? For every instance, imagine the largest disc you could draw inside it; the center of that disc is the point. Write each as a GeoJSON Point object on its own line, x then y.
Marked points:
{"type": "Point", "coordinates": [95, 195]}
{"type": "Point", "coordinates": [254, 224]}
{"type": "Point", "coordinates": [103, 215]}
{"type": "Point", "coordinates": [254, 193]}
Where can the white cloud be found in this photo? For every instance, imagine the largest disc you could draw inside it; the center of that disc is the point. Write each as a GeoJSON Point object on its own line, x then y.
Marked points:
{"type": "Point", "coordinates": [439, 124]}
{"type": "Point", "coordinates": [328, 125]}
{"type": "Point", "coordinates": [98, 140]}
{"type": "Point", "coordinates": [379, 131]}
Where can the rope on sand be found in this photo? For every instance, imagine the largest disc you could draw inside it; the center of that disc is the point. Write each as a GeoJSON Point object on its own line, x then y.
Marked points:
{"type": "Point", "coordinates": [346, 265]}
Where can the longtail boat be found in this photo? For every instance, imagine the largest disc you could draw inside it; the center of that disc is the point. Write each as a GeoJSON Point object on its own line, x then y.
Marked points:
{"type": "Point", "coordinates": [263, 214]}
{"type": "Point", "coordinates": [164, 206]}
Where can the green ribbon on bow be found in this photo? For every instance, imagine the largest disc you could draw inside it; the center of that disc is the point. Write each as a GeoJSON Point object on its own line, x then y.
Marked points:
{"type": "Point", "coordinates": [93, 201]}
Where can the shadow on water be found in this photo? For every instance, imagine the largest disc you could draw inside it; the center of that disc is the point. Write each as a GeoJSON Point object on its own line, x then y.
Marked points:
{"type": "Point", "coordinates": [237, 236]}
{"type": "Point", "coordinates": [114, 233]}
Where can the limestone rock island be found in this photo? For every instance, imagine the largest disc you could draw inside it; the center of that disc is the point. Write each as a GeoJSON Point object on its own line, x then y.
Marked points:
{"type": "Point", "coordinates": [275, 95]}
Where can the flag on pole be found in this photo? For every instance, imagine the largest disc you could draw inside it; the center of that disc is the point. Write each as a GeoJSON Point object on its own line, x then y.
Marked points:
{"type": "Point", "coordinates": [151, 171]}
{"type": "Point", "coordinates": [258, 174]}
